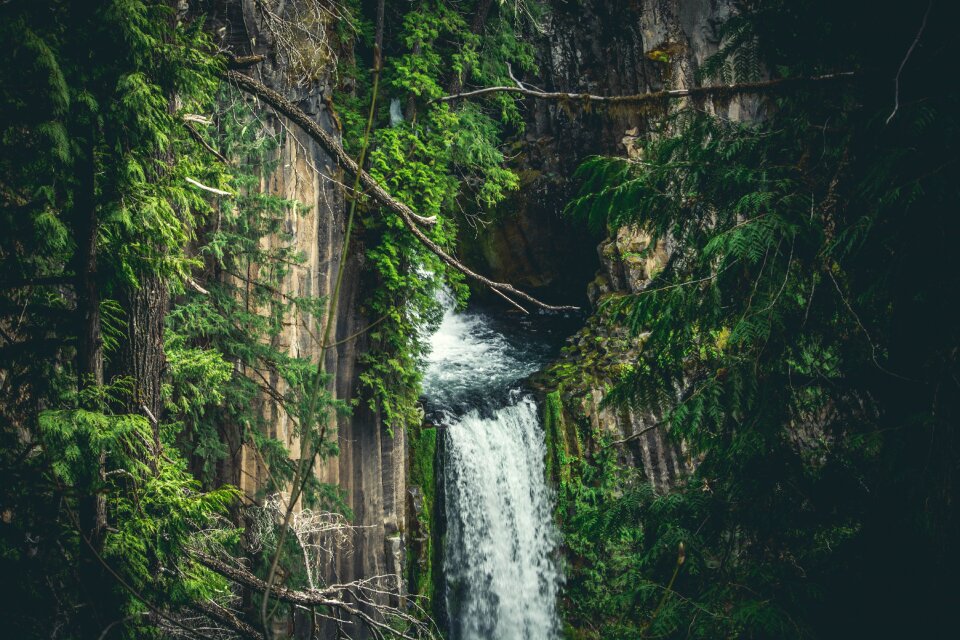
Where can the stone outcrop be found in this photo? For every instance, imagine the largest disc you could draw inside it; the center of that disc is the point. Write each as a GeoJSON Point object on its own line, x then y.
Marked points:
{"type": "Point", "coordinates": [370, 467]}
{"type": "Point", "coordinates": [608, 48]}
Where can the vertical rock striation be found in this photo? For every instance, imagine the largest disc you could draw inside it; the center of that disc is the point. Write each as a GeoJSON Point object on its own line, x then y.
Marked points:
{"type": "Point", "coordinates": [369, 469]}
{"type": "Point", "coordinates": [604, 48]}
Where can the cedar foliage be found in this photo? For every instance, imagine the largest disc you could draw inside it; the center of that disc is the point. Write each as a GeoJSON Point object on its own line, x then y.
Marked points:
{"type": "Point", "coordinates": [93, 146]}
{"type": "Point", "coordinates": [801, 341]}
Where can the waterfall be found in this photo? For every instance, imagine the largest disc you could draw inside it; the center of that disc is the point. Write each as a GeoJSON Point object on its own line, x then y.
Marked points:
{"type": "Point", "coordinates": [499, 555]}
{"type": "Point", "coordinates": [500, 573]}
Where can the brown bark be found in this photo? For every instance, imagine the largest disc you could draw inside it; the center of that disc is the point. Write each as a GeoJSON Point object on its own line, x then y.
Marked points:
{"type": "Point", "coordinates": [90, 343]}
{"type": "Point", "coordinates": [141, 354]}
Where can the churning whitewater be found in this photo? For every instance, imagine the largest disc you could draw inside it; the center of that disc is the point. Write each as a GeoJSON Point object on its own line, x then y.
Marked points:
{"type": "Point", "coordinates": [500, 572]}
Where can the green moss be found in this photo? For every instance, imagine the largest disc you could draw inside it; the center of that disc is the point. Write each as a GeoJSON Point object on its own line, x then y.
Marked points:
{"type": "Point", "coordinates": [553, 434]}
{"type": "Point", "coordinates": [423, 449]}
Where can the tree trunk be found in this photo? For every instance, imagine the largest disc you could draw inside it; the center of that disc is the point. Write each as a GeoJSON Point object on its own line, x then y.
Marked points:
{"type": "Point", "coordinates": [141, 355]}
{"type": "Point", "coordinates": [92, 509]}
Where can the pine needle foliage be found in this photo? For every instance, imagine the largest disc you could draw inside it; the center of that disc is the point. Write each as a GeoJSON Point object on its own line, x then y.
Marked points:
{"type": "Point", "coordinates": [92, 147]}
{"type": "Point", "coordinates": [797, 342]}
{"type": "Point", "coordinates": [224, 343]}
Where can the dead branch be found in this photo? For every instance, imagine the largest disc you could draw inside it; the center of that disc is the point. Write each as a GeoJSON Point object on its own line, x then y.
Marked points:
{"type": "Point", "coordinates": [196, 287]}
{"type": "Point", "coordinates": [298, 34]}
{"type": "Point", "coordinates": [247, 579]}
{"type": "Point", "coordinates": [200, 185]}
{"type": "Point", "coordinates": [410, 219]}
{"type": "Point", "coordinates": [654, 96]}
{"type": "Point", "coordinates": [193, 117]}
{"type": "Point", "coordinates": [242, 62]}
{"type": "Point", "coordinates": [903, 63]}
{"type": "Point", "coordinates": [203, 143]}
{"type": "Point", "coordinates": [224, 616]}
{"type": "Point", "coordinates": [327, 597]}
{"type": "Point", "coordinates": [315, 131]}
{"type": "Point", "coordinates": [636, 435]}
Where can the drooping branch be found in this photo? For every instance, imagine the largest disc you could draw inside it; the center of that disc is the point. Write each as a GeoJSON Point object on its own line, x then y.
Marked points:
{"type": "Point", "coordinates": [652, 97]}
{"type": "Point", "coordinates": [315, 131]}
{"type": "Point", "coordinates": [501, 288]}
{"type": "Point", "coordinates": [410, 219]}
{"type": "Point", "coordinates": [903, 63]}
{"type": "Point", "coordinates": [242, 62]}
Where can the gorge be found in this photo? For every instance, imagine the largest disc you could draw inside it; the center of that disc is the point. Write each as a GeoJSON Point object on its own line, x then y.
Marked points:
{"type": "Point", "coordinates": [478, 319]}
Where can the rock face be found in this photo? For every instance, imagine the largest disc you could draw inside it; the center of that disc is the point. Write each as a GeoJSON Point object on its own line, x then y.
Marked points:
{"type": "Point", "coordinates": [369, 469]}
{"type": "Point", "coordinates": [605, 48]}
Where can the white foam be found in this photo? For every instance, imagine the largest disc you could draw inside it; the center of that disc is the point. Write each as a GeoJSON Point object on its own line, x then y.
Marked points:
{"type": "Point", "coordinates": [499, 564]}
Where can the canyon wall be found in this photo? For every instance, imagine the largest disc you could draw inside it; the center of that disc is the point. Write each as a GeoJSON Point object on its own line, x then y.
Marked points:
{"type": "Point", "coordinates": [602, 48]}
{"type": "Point", "coordinates": [369, 469]}
{"type": "Point", "coordinates": [596, 47]}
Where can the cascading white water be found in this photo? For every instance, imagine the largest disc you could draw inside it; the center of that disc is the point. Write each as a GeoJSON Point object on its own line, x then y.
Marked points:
{"type": "Point", "coordinates": [500, 573]}
{"type": "Point", "coordinates": [499, 567]}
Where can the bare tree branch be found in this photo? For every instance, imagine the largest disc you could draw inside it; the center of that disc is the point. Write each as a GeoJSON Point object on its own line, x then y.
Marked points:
{"type": "Point", "coordinates": [241, 62]}
{"type": "Point", "coordinates": [200, 185]}
{"type": "Point", "coordinates": [655, 96]}
{"type": "Point", "coordinates": [203, 143]}
{"type": "Point", "coordinates": [226, 617]}
{"type": "Point", "coordinates": [327, 597]}
{"type": "Point", "coordinates": [410, 219]}
{"type": "Point", "coordinates": [896, 81]}
{"type": "Point", "coordinates": [315, 131]}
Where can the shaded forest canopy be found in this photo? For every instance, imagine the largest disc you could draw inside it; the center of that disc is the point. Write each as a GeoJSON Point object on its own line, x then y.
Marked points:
{"type": "Point", "coordinates": [792, 336]}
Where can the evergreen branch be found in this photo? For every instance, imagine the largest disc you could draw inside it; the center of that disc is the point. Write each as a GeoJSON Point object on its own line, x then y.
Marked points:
{"type": "Point", "coordinates": [410, 219]}
{"type": "Point", "coordinates": [655, 96]}
{"type": "Point", "coordinates": [124, 584]}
